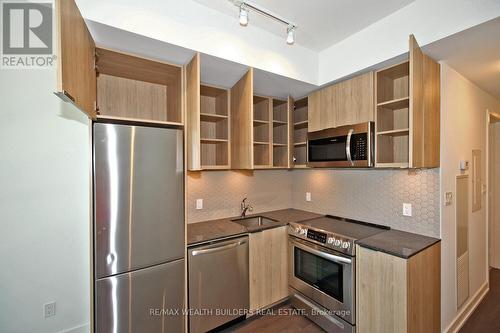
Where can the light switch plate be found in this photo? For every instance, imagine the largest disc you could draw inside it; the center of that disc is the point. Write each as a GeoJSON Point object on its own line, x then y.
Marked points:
{"type": "Point", "coordinates": [49, 309]}
{"type": "Point", "coordinates": [199, 203]}
{"type": "Point", "coordinates": [407, 209]}
{"type": "Point", "coordinates": [448, 198]}
{"type": "Point", "coordinates": [308, 196]}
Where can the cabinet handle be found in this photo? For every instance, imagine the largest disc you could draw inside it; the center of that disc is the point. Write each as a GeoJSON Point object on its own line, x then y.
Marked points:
{"type": "Point", "coordinates": [217, 249]}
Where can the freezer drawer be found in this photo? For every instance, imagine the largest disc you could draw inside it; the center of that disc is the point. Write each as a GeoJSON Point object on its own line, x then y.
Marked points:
{"type": "Point", "coordinates": [218, 281]}
{"type": "Point", "coordinates": [146, 300]}
{"type": "Point", "coordinates": [138, 196]}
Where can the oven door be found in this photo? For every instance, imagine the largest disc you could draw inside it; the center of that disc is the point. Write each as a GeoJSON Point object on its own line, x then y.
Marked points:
{"type": "Point", "coordinates": [323, 275]}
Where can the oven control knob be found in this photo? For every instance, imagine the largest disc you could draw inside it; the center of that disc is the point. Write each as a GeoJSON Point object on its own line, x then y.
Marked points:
{"type": "Point", "coordinates": [337, 242]}
{"type": "Point", "coordinates": [345, 245]}
{"type": "Point", "coordinates": [330, 240]}
{"type": "Point", "coordinates": [303, 231]}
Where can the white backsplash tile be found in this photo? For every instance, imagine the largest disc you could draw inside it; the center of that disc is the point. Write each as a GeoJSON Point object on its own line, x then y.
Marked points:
{"type": "Point", "coordinates": [222, 192]}
{"type": "Point", "coordinates": [375, 196]}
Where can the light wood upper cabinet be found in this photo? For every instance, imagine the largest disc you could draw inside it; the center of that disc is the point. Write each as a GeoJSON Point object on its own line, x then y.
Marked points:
{"type": "Point", "coordinates": [409, 289]}
{"type": "Point", "coordinates": [300, 122]}
{"type": "Point", "coordinates": [108, 84]}
{"type": "Point", "coordinates": [345, 103]}
{"type": "Point", "coordinates": [76, 50]}
{"type": "Point", "coordinates": [207, 122]}
{"type": "Point", "coordinates": [268, 255]}
{"type": "Point", "coordinates": [314, 114]}
{"type": "Point", "coordinates": [193, 113]}
{"type": "Point", "coordinates": [241, 122]}
{"type": "Point", "coordinates": [356, 100]}
{"type": "Point", "coordinates": [408, 112]}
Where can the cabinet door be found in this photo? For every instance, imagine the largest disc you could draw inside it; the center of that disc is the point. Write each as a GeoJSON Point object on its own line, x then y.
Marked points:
{"type": "Point", "coordinates": [314, 111]}
{"type": "Point", "coordinates": [242, 123]}
{"type": "Point", "coordinates": [416, 105]}
{"type": "Point", "coordinates": [380, 276]}
{"type": "Point", "coordinates": [424, 108]}
{"type": "Point", "coordinates": [76, 58]}
{"type": "Point", "coordinates": [329, 106]}
{"type": "Point", "coordinates": [355, 100]}
{"type": "Point", "coordinates": [291, 108]}
{"type": "Point", "coordinates": [193, 113]}
{"type": "Point", "coordinates": [268, 267]}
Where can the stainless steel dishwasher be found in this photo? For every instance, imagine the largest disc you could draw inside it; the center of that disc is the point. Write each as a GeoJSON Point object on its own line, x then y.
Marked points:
{"type": "Point", "coordinates": [218, 283]}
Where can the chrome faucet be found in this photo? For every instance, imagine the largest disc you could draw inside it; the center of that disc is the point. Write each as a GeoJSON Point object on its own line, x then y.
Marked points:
{"type": "Point", "coordinates": [245, 207]}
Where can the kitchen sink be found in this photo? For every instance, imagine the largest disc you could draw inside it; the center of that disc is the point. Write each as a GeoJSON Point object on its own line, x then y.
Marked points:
{"type": "Point", "coordinates": [254, 221]}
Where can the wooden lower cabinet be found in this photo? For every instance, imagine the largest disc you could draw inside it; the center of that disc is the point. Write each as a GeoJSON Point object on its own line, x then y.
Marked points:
{"type": "Point", "coordinates": [268, 267]}
{"type": "Point", "coordinates": [398, 295]}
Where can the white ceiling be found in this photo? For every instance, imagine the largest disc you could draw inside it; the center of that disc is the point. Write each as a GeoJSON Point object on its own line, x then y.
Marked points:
{"type": "Point", "coordinates": [322, 23]}
{"type": "Point", "coordinates": [475, 53]}
{"type": "Point", "coordinates": [214, 71]}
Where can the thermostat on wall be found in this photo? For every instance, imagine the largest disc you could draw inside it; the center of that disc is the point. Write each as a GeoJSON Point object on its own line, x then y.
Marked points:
{"type": "Point", "coordinates": [464, 165]}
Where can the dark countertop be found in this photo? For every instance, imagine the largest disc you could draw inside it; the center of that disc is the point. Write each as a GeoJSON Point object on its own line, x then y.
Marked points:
{"type": "Point", "coordinates": [211, 230]}
{"type": "Point", "coordinates": [398, 243]}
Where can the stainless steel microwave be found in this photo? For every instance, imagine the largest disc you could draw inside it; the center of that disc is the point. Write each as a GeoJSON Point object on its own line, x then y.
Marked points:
{"type": "Point", "coordinates": [349, 146]}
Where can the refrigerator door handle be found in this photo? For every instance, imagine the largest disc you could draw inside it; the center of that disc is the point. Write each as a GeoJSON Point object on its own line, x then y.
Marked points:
{"type": "Point", "coordinates": [217, 249]}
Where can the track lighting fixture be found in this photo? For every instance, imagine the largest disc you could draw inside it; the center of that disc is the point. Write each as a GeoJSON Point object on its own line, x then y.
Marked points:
{"type": "Point", "coordinates": [243, 16]}
{"type": "Point", "coordinates": [290, 35]}
{"type": "Point", "coordinates": [245, 7]}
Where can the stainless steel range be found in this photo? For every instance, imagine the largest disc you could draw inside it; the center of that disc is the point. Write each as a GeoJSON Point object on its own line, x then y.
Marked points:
{"type": "Point", "coordinates": [322, 269]}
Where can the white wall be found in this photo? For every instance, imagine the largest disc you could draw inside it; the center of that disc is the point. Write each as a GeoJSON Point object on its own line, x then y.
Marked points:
{"type": "Point", "coordinates": [428, 20]}
{"type": "Point", "coordinates": [189, 24]}
{"type": "Point", "coordinates": [463, 128]}
{"type": "Point", "coordinates": [44, 205]}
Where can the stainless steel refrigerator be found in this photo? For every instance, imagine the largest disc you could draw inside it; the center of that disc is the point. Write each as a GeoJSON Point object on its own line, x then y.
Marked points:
{"type": "Point", "coordinates": [138, 228]}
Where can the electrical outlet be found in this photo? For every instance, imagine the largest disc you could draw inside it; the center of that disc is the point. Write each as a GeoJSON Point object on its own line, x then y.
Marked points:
{"type": "Point", "coordinates": [49, 309]}
{"type": "Point", "coordinates": [448, 198]}
{"type": "Point", "coordinates": [199, 203]}
{"type": "Point", "coordinates": [308, 196]}
{"type": "Point", "coordinates": [407, 209]}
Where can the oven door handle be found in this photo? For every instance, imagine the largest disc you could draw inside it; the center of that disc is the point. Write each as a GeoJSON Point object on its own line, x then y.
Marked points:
{"type": "Point", "coordinates": [321, 254]}
{"type": "Point", "coordinates": [348, 146]}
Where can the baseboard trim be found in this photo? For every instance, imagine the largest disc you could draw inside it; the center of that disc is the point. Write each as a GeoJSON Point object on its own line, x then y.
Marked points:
{"type": "Point", "coordinates": [77, 329]}
{"type": "Point", "coordinates": [467, 309]}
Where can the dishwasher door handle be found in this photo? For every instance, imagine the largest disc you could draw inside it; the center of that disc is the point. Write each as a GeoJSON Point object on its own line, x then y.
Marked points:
{"type": "Point", "coordinates": [217, 249]}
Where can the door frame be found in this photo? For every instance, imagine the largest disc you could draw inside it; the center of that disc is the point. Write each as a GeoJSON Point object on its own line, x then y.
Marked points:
{"type": "Point", "coordinates": [489, 116]}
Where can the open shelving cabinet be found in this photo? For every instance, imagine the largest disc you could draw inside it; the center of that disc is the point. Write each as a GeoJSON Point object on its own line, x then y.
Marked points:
{"type": "Point", "coordinates": [271, 132]}
{"type": "Point", "coordinates": [262, 132]}
{"type": "Point", "coordinates": [112, 85]}
{"type": "Point", "coordinates": [407, 112]}
{"type": "Point", "coordinates": [282, 132]}
{"type": "Point", "coordinates": [392, 115]}
{"type": "Point", "coordinates": [300, 126]}
{"type": "Point", "coordinates": [208, 122]}
{"type": "Point", "coordinates": [137, 89]}
{"type": "Point", "coordinates": [214, 127]}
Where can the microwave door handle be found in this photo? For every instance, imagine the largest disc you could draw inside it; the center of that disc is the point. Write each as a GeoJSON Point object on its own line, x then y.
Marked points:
{"type": "Point", "coordinates": [348, 146]}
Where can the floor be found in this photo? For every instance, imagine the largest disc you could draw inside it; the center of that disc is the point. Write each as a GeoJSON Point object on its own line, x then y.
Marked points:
{"type": "Point", "coordinates": [281, 320]}
{"type": "Point", "coordinates": [486, 317]}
